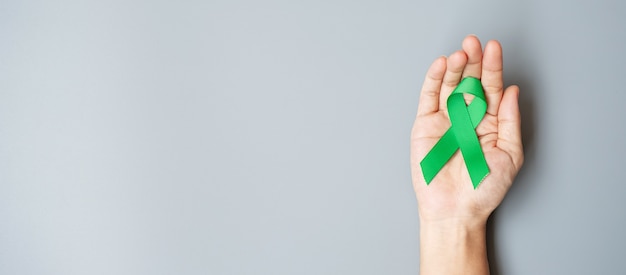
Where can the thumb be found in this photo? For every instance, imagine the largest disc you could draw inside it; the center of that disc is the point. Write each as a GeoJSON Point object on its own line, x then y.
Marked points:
{"type": "Point", "coordinates": [509, 125]}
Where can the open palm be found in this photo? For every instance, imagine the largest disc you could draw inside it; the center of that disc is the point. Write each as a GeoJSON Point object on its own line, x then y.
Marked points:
{"type": "Point", "coordinates": [451, 195]}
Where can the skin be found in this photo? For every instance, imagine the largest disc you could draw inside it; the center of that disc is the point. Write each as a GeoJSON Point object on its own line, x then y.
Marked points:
{"type": "Point", "coordinates": [452, 214]}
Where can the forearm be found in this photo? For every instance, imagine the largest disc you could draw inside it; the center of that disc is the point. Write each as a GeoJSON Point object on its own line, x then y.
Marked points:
{"type": "Point", "coordinates": [453, 247]}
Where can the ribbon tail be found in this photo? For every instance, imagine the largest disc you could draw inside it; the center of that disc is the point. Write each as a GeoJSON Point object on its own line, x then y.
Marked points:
{"type": "Point", "coordinates": [438, 156]}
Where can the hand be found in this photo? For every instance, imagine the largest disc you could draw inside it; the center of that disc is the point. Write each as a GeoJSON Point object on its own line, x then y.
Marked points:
{"type": "Point", "coordinates": [451, 196]}
{"type": "Point", "coordinates": [452, 213]}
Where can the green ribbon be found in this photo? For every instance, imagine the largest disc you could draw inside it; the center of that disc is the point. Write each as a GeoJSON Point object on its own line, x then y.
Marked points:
{"type": "Point", "coordinates": [461, 134]}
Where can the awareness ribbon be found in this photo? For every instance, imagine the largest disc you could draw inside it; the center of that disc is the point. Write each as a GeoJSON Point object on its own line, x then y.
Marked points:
{"type": "Point", "coordinates": [461, 134]}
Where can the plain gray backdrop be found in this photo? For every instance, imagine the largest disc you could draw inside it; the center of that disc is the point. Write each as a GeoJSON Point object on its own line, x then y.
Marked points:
{"type": "Point", "coordinates": [272, 137]}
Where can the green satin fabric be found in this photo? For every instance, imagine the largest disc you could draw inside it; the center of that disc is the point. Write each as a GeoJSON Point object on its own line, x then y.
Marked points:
{"type": "Point", "coordinates": [461, 134]}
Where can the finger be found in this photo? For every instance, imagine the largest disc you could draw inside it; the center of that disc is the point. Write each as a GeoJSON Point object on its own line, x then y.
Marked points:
{"type": "Point", "coordinates": [492, 76]}
{"type": "Point", "coordinates": [474, 52]}
{"type": "Point", "coordinates": [454, 70]}
{"type": "Point", "coordinates": [429, 96]}
{"type": "Point", "coordinates": [509, 125]}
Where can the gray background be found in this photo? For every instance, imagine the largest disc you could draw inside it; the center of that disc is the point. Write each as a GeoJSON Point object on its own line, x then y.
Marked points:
{"type": "Point", "coordinates": [271, 137]}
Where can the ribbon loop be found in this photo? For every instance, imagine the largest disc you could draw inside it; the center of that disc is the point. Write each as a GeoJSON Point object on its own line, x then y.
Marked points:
{"type": "Point", "coordinates": [461, 134]}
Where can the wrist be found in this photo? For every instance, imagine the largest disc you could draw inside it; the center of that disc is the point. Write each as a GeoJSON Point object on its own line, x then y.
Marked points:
{"type": "Point", "coordinates": [453, 246]}
{"type": "Point", "coordinates": [467, 222]}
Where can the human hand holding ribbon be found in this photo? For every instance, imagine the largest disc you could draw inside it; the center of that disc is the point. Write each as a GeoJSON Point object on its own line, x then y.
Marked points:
{"type": "Point", "coordinates": [466, 146]}
{"type": "Point", "coordinates": [466, 150]}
